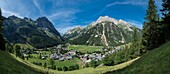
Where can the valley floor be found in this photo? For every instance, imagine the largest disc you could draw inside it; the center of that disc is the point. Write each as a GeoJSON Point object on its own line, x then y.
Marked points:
{"type": "Point", "coordinates": [153, 62]}
{"type": "Point", "coordinates": [98, 70]}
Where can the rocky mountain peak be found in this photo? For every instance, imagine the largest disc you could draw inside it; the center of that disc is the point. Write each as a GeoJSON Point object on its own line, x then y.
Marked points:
{"type": "Point", "coordinates": [78, 27]}
{"type": "Point", "coordinates": [106, 18]}
{"type": "Point", "coordinates": [109, 19]}
{"type": "Point", "coordinates": [45, 23]}
{"type": "Point", "coordinates": [13, 17]}
{"type": "Point", "coordinates": [42, 19]}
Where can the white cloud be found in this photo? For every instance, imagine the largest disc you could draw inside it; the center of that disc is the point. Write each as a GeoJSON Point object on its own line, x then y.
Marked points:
{"type": "Point", "coordinates": [129, 2]}
{"type": "Point", "coordinates": [38, 6]}
{"type": "Point", "coordinates": [63, 14]}
{"type": "Point", "coordinates": [9, 13]}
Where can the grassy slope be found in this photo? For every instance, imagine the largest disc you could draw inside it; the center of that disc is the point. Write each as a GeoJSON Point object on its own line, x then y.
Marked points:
{"type": "Point", "coordinates": [156, 61]}
{"type": "Point", "coordinates": [9, 65]}
{"type": "Point", "coordinates": [25, 45]}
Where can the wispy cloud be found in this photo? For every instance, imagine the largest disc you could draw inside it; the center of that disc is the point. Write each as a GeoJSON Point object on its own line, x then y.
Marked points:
{"type": "Point", "coordinates": [9, 13]}
{"type": "Point", "coordinates": [63, 19]}
{"type": "Point", "coordinates": [129, 2]}
{"type": "Point", "coordinates": [38, 6]}
{"type": "Point", "coordinates": [63, 14]}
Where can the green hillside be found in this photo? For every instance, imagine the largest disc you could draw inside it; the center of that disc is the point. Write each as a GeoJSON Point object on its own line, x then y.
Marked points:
{"type": "Point", "coordinates": [156, 61]}
{"type": "Point", "coordinates": [9, 65]}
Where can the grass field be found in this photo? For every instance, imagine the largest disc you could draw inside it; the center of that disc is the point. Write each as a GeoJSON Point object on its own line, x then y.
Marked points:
{"type": "Point", "coordinates": [57, 63]}
{"type": "Point", "coordinates": [85, 48]}
{"type": "Point", "coordinates": [35, 58]}
{"type": "Point", "coordinates": [9, 65]}
{"type": "Point", "coordinates": [25, 45]}
{"type": "Point", "coordinates": [156, 61]}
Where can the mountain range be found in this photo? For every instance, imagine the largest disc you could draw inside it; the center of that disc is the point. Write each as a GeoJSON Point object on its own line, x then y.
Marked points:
{"type": "Point", "coordinates": [39, 33]}
{"type": "Point", "coordinates": [105, 31]}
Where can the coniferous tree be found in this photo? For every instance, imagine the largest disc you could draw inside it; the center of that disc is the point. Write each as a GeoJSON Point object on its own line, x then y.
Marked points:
{"type": "Point", "coordinates": [135, 43]}
{"type": "Point", "coordinates": [149, 28]}
{"type": "Point", "coordinates": [166, 18]}
{"type": "Point", "coordinates": [2, 40]}
{"type": "Point", "coordinates": [17, 49]}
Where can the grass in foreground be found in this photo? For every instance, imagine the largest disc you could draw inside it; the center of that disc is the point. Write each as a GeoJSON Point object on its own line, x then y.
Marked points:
{"type": "Point", "coordinates": [85, 48]}
{"type": "Point", "coordinates": [156, 61]}
{"type": "Point", "coordinates": [9, 65]}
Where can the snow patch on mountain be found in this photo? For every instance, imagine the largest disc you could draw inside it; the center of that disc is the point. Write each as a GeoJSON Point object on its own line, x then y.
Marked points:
{"type": "Point", "coordinates": [116, 22]}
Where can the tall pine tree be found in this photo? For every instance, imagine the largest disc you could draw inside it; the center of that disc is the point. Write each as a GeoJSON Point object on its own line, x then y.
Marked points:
{"type": "Point", "coordinates": [166, 18]}
{"type": "Point", "coordinates": [2, 40]}
{"type": "Point", "coordinates": [135, 43]}
{"type": "Point", "coordinates": [149, 28]}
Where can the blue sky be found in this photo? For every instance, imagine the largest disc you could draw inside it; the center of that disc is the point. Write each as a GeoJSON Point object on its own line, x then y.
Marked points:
{"type": "Point", "coordinates": [66, 14]}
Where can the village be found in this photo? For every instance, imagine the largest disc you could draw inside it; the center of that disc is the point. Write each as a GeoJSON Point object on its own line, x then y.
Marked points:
{"type": "Point", "coordinates": [62, 55]}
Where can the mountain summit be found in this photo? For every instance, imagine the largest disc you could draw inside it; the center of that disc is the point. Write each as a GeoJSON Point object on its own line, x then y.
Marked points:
{"type": "Point", "coordinates": [104, 31]}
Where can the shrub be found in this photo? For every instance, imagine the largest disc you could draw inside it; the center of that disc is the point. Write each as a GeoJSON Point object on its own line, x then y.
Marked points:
{"type": "Point", "coordinates": [65, 68]}
{"type": "Point", "coordinates": [59, 69]}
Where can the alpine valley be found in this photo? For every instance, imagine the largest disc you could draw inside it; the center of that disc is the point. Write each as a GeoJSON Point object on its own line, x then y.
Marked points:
{"type": "Point", "coordinates": [84, 37]}
{"type": "Point", "coordinates": [106, 31]}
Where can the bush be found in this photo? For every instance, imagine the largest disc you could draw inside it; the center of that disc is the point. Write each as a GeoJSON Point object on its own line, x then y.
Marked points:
{"type": "Point", "coordinates": [54, 67]}
{"type": "Point", "coordinates": [65, 68]}
{"type": "Point", "coordinates": [59, 69]}
{"type": "Point", "coordinates": [37, 63]}
{"type": "Point", "coordinates": [94, 64]}
{"type": "Point", "coordinates": [70, 68]}
{"type": "Point", "coordinates": [76, 66]}
{"type": "Point", "coordinates": [73, 67]}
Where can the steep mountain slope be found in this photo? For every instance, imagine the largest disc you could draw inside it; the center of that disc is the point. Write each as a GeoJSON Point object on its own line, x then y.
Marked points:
{"type": "Point", "coordinates": [8, 65]}
{"type": "Point", "coordinates": [39, 33]}
{"type": "Point", "coordinates": [153, 62]}
{"type": "Point", "coordinates": [73, 32]}
{"type": "Point", "coordinates": [105, 31]}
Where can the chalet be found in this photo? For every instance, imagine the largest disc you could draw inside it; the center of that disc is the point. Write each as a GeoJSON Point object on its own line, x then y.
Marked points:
{"type": "Point", "coordinates": [56, 56]}
{"type": "Point", "coordinates": [72, 52]}
{"type": "Point", "coordinates": [61, 58]}
{"type": "Point", "coordinates": [68, 57]}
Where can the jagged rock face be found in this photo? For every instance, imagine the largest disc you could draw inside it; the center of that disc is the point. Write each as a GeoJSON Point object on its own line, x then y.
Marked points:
{"type": "Point", "coordinates": [105, 31]}
{"type": "Point", "coordinates": [73, 32]}
{"type": "Point", "coordinates": [39, 33]}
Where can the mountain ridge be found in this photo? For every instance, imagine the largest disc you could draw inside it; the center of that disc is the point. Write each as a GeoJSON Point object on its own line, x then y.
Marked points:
{"type": "Point", "coordinates": [104, 31]}
{"type": "Point", "coordinates": [39, 33]}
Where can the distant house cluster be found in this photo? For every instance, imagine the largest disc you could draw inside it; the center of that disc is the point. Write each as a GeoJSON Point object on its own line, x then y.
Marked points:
{"type": "Point", "coordinates": [57, 55]}
{"type": "Point", "coordinates": [86, 58]}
